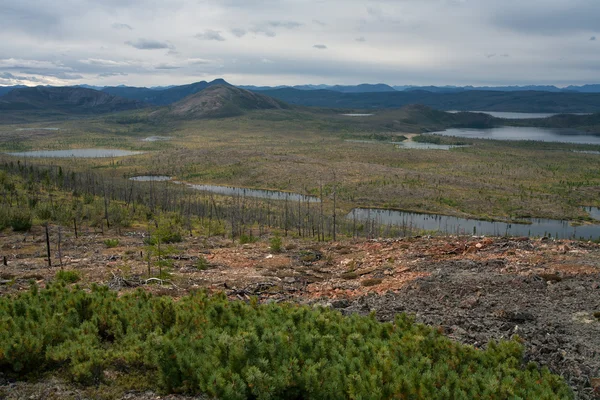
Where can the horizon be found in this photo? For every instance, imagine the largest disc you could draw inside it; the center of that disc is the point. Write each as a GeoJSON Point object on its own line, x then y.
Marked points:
{"type": "Point", "coordinates": [307, 84]}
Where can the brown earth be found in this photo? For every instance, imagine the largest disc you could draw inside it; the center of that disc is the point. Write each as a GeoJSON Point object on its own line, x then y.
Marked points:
{"type": "Point", "coordinates": [475, 289]}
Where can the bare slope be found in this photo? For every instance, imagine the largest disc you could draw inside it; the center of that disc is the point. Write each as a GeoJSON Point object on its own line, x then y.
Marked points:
{"type": "Point", "coordinates": [222, 101]}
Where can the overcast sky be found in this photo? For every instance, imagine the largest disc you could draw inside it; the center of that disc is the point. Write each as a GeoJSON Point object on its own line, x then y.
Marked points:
{"type": "Point", "coordinates": [275, 42]}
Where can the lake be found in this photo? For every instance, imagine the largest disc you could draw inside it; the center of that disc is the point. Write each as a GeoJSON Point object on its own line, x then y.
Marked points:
{"type": "Point", "coordinates": [259, 193]}
{"type": "Point", "coordinates": [593, 211]}
{"type": "Point", "coordinates": [455, 225]}
{"type": "Point", "coordinates": [524, 133]}
{"type": "Point", "coordinates": [155, 138]}
{"type": "Point", "coordinates": [357, 115]}
{"type": "Point", "coordinates": [38, 129]}
{"type": "Point", "coordinates": [76, 153]}
{"type": "Point", "coordinates": [150, 178]}
{"type": "Point", "coordinates": [409, 144]}
{"type": "Point", "coordinates": [516, 115]}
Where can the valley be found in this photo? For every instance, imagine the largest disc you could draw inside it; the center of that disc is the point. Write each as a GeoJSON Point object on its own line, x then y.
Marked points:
{"type": "Point", "coordinates": [233, 192]}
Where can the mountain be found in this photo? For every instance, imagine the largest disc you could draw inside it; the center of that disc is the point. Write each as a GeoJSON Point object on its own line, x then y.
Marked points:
{"type": "Point", "coordinates": [584, 88]}
{"type": "Point", "coordinates": [527, 101]}
{"type": "Point", "coordinates": [161, 97]}
{"type": "Point", "coordinates": [261, 88]}
{"type": "Point", "coordinates": [71, 100]}
{"type": "Point", "coordinates": [362, 88]}
{"type": "Point", "coordinates": [90, 87]}
{"type": "Point", "coordinates": [6, 89]}
{"type": "Point", "coordinates": [220, 101]}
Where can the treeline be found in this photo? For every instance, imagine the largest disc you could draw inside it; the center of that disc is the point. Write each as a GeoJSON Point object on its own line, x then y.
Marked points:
{"type": "Point", "coordinates": [53, 194]}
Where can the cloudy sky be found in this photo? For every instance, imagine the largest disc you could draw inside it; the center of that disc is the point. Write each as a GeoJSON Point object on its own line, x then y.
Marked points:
{"type": "Point", "coordinates": [274, 42]}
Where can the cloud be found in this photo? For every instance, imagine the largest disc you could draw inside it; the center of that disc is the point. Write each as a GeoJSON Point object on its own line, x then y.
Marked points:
{"type": "Point", "coordinates": [320, 46]}
{"type": "Point", "coordinates": [111, 74]}
{"type": "Point", "coordinates": [269, 28]}
{"type": "Point", "coordinates": [166, 66]}
{"type": "Point", "coordinates": [117, 25]}
{"type": "Point", "coordinates": [9, 76]}
{"type": "Point", "coordinates": [554, 19]}
{"type": "Point", "coordinates": [209, 34]}
{"type": "Point", "coordinates": [59, 75]}
{"type": "Point", "coordinates": [104, 63]}
{"type": "Point", "coordinates": [317, 22]}
{"type": "Point", "coordinates": [238, 32]}
{"type": "Point", "coordinates": [284, 24]}
{"type": "Point", "coordinates": [147, 44]}
{"type": "Point", "coordinates": [360, 39]}
{"type": "Point", "coordinates": [197, 61]}
{"type": "Point", "coordinates": [19, 63]}
{"type": "Point", "coordinates": [593, 38]}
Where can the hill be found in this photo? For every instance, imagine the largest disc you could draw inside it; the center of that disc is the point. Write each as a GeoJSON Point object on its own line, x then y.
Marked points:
{"type": "Point", "coordinates": [220, 101]}
{"type": "Point", "coordinates": [161, 97]}
{"type": "Point", "coordinates": [527, 101]}
{"type": "Point", "coordinates": [64, 100]}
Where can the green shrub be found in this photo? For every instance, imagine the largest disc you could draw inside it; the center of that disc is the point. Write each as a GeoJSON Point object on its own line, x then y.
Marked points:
{"type": "Point", "coordinates": [20, 221]}
{"type": "Point", "coordinates": [235, 350]}
{"type": "Point", "coordinates": [166, 237]}
{"type": "Point", "coordinates": [276, 243]}
{"type": "Point", "coordinates": [110, 243]}
{"type": "Point", "coordinates": [67, 276]}
{"type": "Point", "coordinates": [244, 239]}
{"type": "Point", "coordinates": [202, 263]}
{"type": "Point", "coordinates": [4, 218]}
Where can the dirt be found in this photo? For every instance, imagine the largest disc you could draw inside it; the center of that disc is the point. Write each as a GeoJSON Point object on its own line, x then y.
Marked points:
{"type": "Point", "coordinates": [475, 289]}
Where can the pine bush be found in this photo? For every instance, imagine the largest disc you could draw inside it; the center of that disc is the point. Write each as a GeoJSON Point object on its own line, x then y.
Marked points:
{"type": "Point", "coordinates": [235, 350]}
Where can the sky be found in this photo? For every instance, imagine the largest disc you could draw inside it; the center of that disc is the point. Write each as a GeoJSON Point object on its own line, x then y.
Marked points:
{"type": "Point", "coordinates": [289, 42]}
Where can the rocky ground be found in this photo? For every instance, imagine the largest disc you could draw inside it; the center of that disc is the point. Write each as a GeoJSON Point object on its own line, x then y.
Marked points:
{"type": "Point", "coordinates": [475, 289]}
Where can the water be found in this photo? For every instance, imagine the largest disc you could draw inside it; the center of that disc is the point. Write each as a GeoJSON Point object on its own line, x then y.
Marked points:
{"type": "Point", "coordinates": [262, 194]}
{"type": "Point", "coordinates": [455, 225]}
{"type": "Point", "coordinates": [586, 151]}
{"type": "Point", "coordinates": [593, 211]}
{"type": "Point", "coordinates": [155, 138]}
{"type": "Point", "coordinates": [424, 146]}
{"type": "Point", "coordinates": [357, 115]}
{"type": "Point", "coordinates": [519, 133]}
{"type": "Point", "coordinates": [517, 115]}
{"type": "Point", "coordinates": [38, 129]}
{"type": "Point", "coordinates": [409, 144]}
{"type": "Point", "coordinates": [148, 178]}
{"type": "Point", "coordinates": [76, 153]}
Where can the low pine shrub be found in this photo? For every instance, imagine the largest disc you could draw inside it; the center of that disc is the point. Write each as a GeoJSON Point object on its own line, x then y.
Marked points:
{"type": "Point", "coordinates": [67, 276]}
{"type": "Point", "coordinates": [110, 243]}
{"type": "Point", "coordinates": [244, 239]}
{"type": "Point", "coordinates": [235, 350]}
{"type": "Point", "coordinates": [276, 243]}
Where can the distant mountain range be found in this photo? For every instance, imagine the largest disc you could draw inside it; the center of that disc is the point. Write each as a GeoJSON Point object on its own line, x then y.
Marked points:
{"type": "Point", "coordinates": [219, 99]}
{"type": "Point", "coordinates": [67, 100]}
{"type": "Point", "coordinates": [522, 101]}
{"type": "Point", "coordinates": [161, 96]}
{"type": "Point", "coordinates": [362, 88]}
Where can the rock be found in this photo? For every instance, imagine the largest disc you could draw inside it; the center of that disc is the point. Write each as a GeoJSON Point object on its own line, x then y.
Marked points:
{"type": "Point", "coordinates": [343, 303]}
{"type": "Point", "coordinates": [469, 302]}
